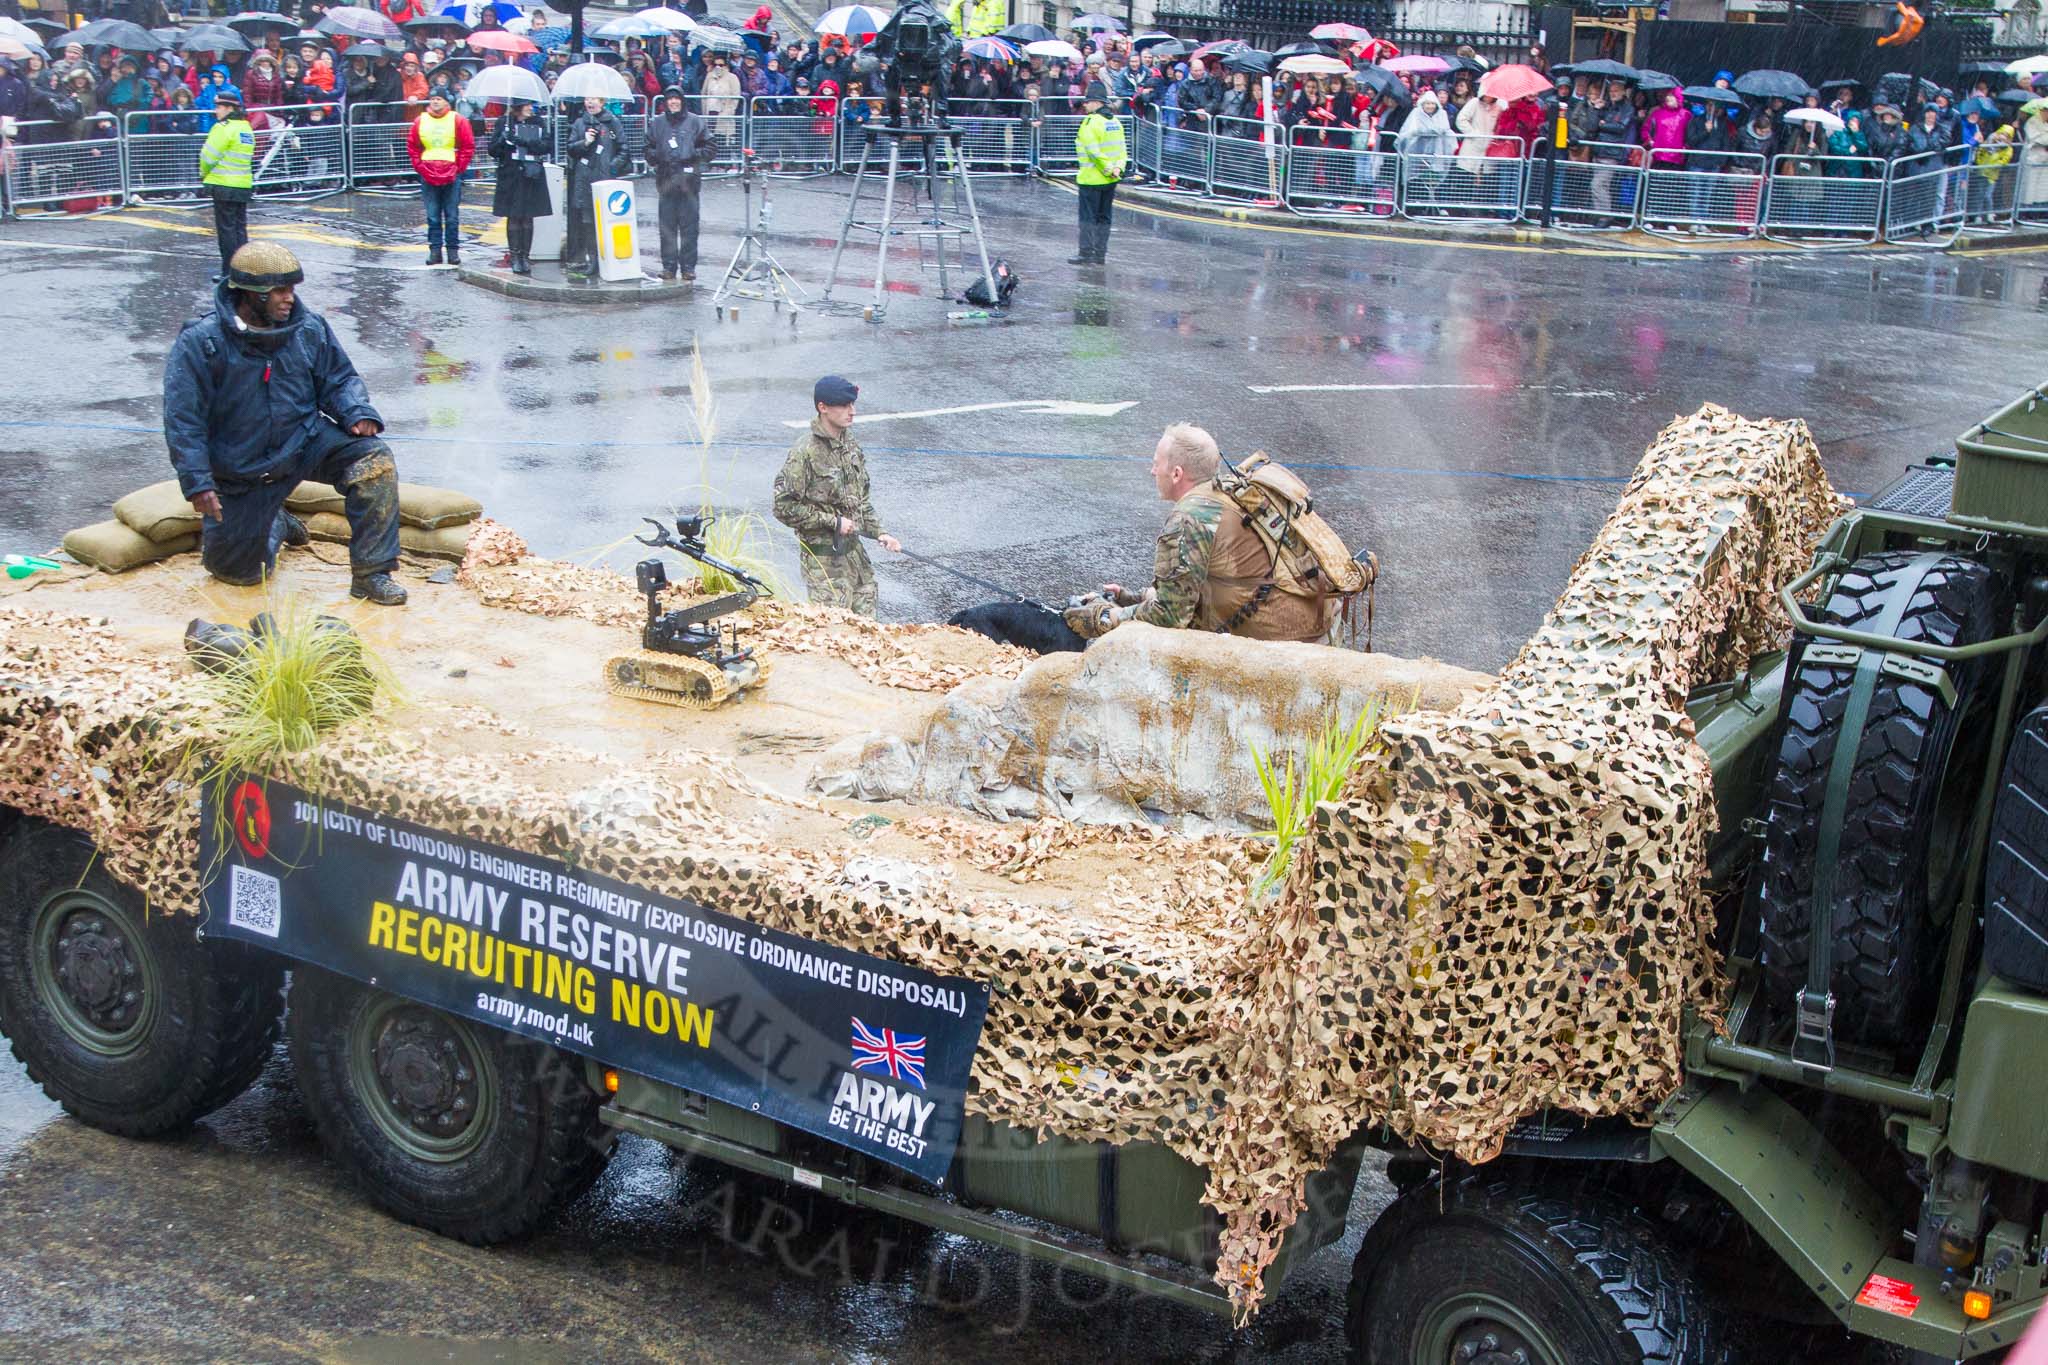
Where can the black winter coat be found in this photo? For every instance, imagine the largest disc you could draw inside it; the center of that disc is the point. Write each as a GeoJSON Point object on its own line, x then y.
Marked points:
{"type": "Point", "coordinates": [1704, 138]}
{"type": "Point", "coordinates": [1887, 141]}
{"type": "Point", "coordinates": [521, 149]}
{"type": "Point", "coordinates": [679, 147]}
{"type": "Point", "coordinates": [1617, 126]}
{"type": "Point", "coordinates": [1748, 140]}
{"type": "Point", "coordinates": [238, 406]}
{"type": "Point", "coordinates": [590, 162]}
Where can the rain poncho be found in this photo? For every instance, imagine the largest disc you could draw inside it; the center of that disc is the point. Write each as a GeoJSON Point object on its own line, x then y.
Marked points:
{"type": "Point", "coordinates": [1427, 135]}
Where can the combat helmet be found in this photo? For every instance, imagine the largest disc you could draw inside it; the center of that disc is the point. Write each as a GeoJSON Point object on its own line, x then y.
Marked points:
{"type": "Point", "coordinates": [260, 267]}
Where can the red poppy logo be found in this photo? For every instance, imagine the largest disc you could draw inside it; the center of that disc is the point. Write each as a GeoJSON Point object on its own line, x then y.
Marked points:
{"type": "Point", "coordinates": [251, 811]}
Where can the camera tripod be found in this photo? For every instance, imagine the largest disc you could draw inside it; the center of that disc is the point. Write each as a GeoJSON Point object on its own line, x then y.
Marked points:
{"type": "Point", "coordinates": [938, 143]}
{"type": "Point", "coordinates": [754, 272]}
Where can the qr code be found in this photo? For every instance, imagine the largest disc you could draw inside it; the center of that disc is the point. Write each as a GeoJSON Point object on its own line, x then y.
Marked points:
{"type": "Point", "coordinates": [253, 901]}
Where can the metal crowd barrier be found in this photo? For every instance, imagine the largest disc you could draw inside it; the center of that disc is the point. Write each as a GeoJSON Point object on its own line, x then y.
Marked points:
{"type": "Point", "coordinates": [1713, 194]}
{"type": "Point", "coordinates": [1825, 200]}
{"type": "Point", "coordinates": [153, 156]}
{"type": "Point", "coordinates": [1603, 192]}
{"type": "Point", "coordinates": [69, 177]}
{"type": "Point", "coordinates": [795, 135]}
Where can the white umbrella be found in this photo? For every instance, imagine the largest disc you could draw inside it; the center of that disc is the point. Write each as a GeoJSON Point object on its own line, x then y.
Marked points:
{"type": "Point", "coordinates": [1314, 64]}
{"type": "Point", "coordinates": [630, 26]}
{"type": "Point", "coordinates": [1053, 47]}
{"type": "Point", "coordinates": [20, 32]}
{"type": "Point", "coordinates": [1820, 116]}
{"type": "Point", "coordinates": [853, 20]}
{"type": "Point", "coordinates": [2028, 66]}
{"type": "Point", "coordinates": [674, 20]}
{"type": "Point", "coordinates": [507, 85]}
{"type": "Point", "coordinates": [592, 79]}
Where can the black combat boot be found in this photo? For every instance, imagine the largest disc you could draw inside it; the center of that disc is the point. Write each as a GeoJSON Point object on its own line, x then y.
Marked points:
{"type": "Point", "coordinates": [379, 587]}
{"type": "Point", "coordinates": [434, 254]}
{"type": "Point", "coordinates": [295, 533]}
{"type": "Point", "coordinates": [454, 255]}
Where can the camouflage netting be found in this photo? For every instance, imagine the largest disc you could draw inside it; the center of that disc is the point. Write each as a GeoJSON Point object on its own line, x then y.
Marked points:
{"type": "Point", "coordinates": [1503, 914]}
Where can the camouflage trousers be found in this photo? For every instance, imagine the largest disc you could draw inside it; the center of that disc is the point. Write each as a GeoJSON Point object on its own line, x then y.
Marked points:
{"type": "Point", "coordinates": [840, 580]}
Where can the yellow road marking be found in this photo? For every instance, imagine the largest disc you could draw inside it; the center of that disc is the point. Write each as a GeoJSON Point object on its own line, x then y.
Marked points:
{"type": "Point", "coordinates": [1999, 250]}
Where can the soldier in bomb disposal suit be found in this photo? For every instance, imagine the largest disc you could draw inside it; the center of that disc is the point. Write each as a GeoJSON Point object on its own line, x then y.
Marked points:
{"type": "Point", "coordinates": [822, 495]}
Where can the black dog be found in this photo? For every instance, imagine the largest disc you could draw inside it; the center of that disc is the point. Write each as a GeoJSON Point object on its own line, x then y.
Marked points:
{"type": "Point", "coordinates": [1027, 625]}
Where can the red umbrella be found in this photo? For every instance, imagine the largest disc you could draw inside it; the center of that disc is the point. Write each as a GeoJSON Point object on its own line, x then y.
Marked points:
{"type": "Point", "coordinates": [497, 40]}
{"type": "Point", "coordinates": [1510, 83]}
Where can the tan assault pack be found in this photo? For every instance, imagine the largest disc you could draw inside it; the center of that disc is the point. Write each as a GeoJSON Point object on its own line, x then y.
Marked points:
{"type": "Point", "coordinates": [1278, 525]}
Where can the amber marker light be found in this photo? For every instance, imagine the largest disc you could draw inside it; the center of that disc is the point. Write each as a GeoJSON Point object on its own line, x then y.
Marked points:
{"type": "Point", "coordinates": [1976, 1304]}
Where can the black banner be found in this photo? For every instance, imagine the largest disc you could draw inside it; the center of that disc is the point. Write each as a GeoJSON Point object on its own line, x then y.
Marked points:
{"type": "Point", "coordinates": [866, 1053]}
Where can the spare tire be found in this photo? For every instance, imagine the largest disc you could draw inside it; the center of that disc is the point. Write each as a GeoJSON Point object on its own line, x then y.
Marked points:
{"type": "Point", "coordinates": [1894, 815]}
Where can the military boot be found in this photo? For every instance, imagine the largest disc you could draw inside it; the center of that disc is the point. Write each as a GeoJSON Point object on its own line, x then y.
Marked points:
{"type": "Point", "coordinates": [294, 533]}
{"type": "Point", "coordinates": [379, 587]}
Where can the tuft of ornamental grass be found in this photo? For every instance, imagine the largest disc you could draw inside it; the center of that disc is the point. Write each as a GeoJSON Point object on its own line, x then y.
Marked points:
{"type": "Point", "coordinates": [302, 679]}
{"type": "Point", "coordinates": [738, 538]}
{"type": "Point", "coordinates": [1294, 792]}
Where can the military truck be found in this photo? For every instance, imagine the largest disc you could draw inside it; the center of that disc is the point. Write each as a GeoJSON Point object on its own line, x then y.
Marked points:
{"type": "Point", "coordinates": [1854, 1151]}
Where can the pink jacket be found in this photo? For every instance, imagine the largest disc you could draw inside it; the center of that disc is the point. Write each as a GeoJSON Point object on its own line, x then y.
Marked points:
{"type": "Point", "coordinates": [1664, 134]}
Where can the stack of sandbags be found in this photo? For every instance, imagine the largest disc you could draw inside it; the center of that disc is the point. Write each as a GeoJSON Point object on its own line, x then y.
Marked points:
{"type": "Point", "coordinates": [149, 524]}
{"type": "Point", "coordinates": [431, 521]}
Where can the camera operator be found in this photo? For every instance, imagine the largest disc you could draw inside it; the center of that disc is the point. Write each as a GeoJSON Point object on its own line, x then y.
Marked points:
{"type": "Point", "coordinates": [917, 48]}
{"type": "Point", "coordinates": [597, 151]}
{"type": "Point", "coordinates": [679, 147]}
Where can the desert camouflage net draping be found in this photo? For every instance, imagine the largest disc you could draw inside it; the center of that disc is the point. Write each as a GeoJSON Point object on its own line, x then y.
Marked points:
{"type": "Point", "coordinates": [1503, 914]}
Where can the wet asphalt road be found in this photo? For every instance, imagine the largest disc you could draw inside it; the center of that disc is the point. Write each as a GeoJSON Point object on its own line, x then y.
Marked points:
{"type": "Point", "coordinates": [1491, 401]}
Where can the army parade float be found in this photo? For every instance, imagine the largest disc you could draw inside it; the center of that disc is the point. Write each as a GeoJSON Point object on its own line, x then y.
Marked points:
{"type": "Point", "coordinates": [1682, 970]}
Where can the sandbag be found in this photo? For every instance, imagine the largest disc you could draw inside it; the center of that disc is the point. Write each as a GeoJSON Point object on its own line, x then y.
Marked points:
{"type": "Point", "coordinates": [158, 513]}
{"type": "Point", "coordinates": [419, 504]}
{"type": "Point", "coordinates": [445, 542]}
{"type": "Point", "coordinates": [116, 548]}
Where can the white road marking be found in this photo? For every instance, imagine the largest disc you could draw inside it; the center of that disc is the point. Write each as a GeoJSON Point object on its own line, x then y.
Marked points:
{"type": "Point", "coordinates": [1558, 389]}
{"type": "Point", "coordinates": [1036, 407]}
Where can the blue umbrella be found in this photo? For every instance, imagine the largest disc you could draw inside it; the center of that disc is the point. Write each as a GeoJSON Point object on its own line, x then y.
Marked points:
{"type": "Point", "coordinates": [1979, 106]}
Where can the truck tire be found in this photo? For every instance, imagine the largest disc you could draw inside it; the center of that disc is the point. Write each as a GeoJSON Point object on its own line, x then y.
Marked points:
{"type": "Point", "coordinates": [123, 1016]}
{"type": "Point", "coordinates": [467, 1131]}
{"type": "Point", "coordinates": [1482, 1272]}
{"type": "Point", "coordinates": [1894, 812]}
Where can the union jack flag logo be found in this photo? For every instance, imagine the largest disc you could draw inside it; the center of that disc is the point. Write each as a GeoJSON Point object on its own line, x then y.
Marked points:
{"type": "Point", "coordinates": [887, 1050]}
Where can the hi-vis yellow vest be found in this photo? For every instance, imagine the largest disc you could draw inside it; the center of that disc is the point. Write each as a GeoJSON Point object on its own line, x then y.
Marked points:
{"type": "Point", "coordinates": [437, 137]}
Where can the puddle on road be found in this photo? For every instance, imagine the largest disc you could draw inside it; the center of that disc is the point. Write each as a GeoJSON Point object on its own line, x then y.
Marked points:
{"type": "Point", "coordinates": [24, 1109]}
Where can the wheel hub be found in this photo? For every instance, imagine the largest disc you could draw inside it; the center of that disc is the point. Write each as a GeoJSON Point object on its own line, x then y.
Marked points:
{"type": "Point", "coordinates": [425, 1077]}
{"type": "Point", "coordinates": [95, 969]}
{"type": "Point", "coordinates": [1490, 1343]}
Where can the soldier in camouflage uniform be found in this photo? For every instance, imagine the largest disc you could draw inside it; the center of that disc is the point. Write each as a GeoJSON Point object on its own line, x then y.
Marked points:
{"type": "Point", "coordinates": [822, 495]}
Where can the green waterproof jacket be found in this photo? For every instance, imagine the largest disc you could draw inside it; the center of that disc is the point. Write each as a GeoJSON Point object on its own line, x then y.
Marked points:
{"type": "Point", "coordinates": [1099, 144]}
{"type": "Point", "coordinates": [229, 157]}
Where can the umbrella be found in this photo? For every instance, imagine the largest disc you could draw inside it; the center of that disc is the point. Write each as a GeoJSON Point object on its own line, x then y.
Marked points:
{"type": "Point", "coordinates": [1173, 49]}
{"type": "Point", "coordinates": [1380, 80]}
{"type": "Point", "coordinates": [507, 85]}
{"type": "Point", "coordinates": [1707, 94]}
{"type": "Point", "coordinates": [1465, 63]}
{"type": "Point", "coordinates": [719, 21]}
{"type": "Point", "coordinates": [1249, 60]}
{"type": "Point", "coordinates": [716, 39]}
{"type": "Point", "coordinates": [254, 22]}
{"type": "Point", "coordinates": [212, 38]}
{"type": "Point", "coordinates": [1340, 33]}
{"type": "Point", "coordinates": [1841, 81]}
{"type": "Point", "coordinates": [368, 49]}
{"type": "Point", "coordinates": [853, 21]}
{"type": "Point", "coordinates": [353, 21]}
{"type": "Point", "coordinates": [989, 49]}
{"type": "Point", "coordinates": [2034, 106]}
{"type": "Point", "coordinates": [625, 26]}
{"type": "Point", "coordinates": [1607, 70]}
{"type": "Point", "coordinates": [116, 33]}
{"type": "Point", "coordinates": [20, 32]}
{"type": "Point", "coordinates": [1315, 64]}
{"type": "Point", "coordinates": [586, 80]}
{"type": "Point", "coordinates": [1053, 47]}
{"type": "Point", "coordinates": [1095, 23]}
{"type": "Point", "coordinates": [674, 20]}
{"type": "Point", "coordinates": [430, 23]}
{"type": "Point", "coordinates": [497, 40]}
{"type": "Point", "coordinates": [1026, 33]}
{"type": "Point", "coordinates": [756, 40]}
{"type": "Point", "coordinates": [13, 47]}
{"type": "Point", "coordinates": [2028, 66]}
{"type": "Point", "coordinates": [1772, 85]}
{"type": "Point", "coordinates": [1653, 81]}
{"type": "Point", "coordinates": [2014, 96]}
{"type": "Point", "coordinates": [1979, 106]}
{"type": "Point", "coordinates": [1974, 69]}
{"type": "Point", "coordinates": [49, 28]}
{"type": "Point", "coordinates": [1514, 81]}
{"type": "Point", "coordinates": [1421, 66]}
{"type": "Point", "coordinates": [1222, 46]}
{"type": "Point", "coordinates": [1820, 116]}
